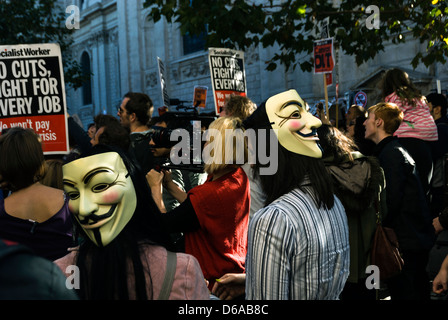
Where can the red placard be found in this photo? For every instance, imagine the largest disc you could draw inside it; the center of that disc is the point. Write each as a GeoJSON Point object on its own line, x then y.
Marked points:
{"type": "Point", "coordinates": [329, 78]}
{"type": "Point", "coordinates": [323, 56]}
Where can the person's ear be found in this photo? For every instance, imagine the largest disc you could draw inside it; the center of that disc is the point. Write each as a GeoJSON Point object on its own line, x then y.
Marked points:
{"type": "Point", "coordinates": [379, 122]}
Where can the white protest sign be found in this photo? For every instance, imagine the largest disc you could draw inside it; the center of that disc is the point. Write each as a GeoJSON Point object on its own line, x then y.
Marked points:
{"type": "Point", "coordinates": [227, 74]}
{"type": "Point", "coordinates": [32, 93]}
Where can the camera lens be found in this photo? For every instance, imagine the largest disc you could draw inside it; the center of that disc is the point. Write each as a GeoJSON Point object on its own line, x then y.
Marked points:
{"type": "Point", "coordinates": [161, 138]}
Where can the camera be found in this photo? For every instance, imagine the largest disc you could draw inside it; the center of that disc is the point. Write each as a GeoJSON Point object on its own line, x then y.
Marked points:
{"type": "Point", "coordinates": [161, 137]}
{"type": "Point", "coordinates": [182, 130]}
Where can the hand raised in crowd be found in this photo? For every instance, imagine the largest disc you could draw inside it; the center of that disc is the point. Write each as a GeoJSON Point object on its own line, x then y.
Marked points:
{"type": "Point", "coordinates": [437, 226]}
{"type": "Point", "coordinates": [230, 286]}
{"type": "Point", "coordinates": [167, 178]}
{"type": "Point", "coordinates": [154, 178]}
{"type": "Point", "coordinates": [322, 116]}
{"type": "Point", "coordinates": [439, 284]}
{"type": "Point", "coordinates": [175, 190]}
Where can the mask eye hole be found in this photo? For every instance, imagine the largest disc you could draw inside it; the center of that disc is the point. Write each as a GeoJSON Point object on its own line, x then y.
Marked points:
{"type": "Point", "coordinates": [100, 187]}
{"type": "Point", "coordinates": [73, 195]}
{"type": "Point", "coordinates": [296, 114]}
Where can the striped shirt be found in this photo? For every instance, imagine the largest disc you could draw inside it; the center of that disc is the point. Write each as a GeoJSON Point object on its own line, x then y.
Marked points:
{"type": "Point", "coordinates": [417, 122]}
{"type": "Point", "coordinates": [297, 251]}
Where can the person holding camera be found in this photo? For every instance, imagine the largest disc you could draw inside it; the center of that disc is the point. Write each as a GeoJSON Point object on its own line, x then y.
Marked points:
{"type": "Point", "coordinates": [183, 180]}
{"type": "Point", "coordinates": [213, 216]}
{"type": "Point", "coordinates": [161, 146]}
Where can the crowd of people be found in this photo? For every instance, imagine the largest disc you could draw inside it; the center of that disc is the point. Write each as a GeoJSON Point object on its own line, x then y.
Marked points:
{"type": "Point", "coordinates": [137, 228]}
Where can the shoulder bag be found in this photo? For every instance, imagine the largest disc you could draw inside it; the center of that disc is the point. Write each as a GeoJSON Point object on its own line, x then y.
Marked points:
{"type": "Point", "coordinates": [171, 263]}
{"type": "Point", "coordinates": [385, 250]}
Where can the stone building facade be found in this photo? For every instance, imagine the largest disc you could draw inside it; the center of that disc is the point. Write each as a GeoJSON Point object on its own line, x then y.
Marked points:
{"type": "Point", "coordinates": [119, 45]}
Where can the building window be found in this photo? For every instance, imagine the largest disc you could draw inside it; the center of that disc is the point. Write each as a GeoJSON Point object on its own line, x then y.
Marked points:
{"type": "Point", "coordinates": [194, 43]}
{"type": "Point", "coordinates": [87, 85]}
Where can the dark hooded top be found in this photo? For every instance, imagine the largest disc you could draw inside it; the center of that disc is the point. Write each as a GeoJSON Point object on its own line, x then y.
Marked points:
{"type": "Point", "coordinates": [25, 276]}
{"type": "Point", "coordinates": [357, 184]}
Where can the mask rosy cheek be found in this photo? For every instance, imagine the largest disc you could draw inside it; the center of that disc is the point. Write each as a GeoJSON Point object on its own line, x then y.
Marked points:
{"type": "Point", "coordinates": [295, 125]}
{"type": "Point", "coordinates": [110, 197]}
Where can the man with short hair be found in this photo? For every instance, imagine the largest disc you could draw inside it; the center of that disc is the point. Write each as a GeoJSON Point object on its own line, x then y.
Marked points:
{"type": "Point", "coordinates": [407, 209]}
{"type": "Point", "coordinates": [439, 192]}
{"type": "Point", "coordinates": [135, 113]}
{"type": "Point", "coordinates": [437, 106]}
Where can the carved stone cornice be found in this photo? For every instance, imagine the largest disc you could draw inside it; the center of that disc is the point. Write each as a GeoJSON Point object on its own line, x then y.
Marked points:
{"type": "Point", "coordinates": [98, 37]}
{"type": "Point", "coordinates": [151, 78]}
{"type": "Point", "coordinates": [189, 69]}
{"type": "Point", "coordinates": [113, 35]}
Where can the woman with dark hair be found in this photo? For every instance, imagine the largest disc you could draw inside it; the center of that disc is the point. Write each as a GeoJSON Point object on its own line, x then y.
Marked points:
{"type": "Point", "coordinates": [358, 182]}
{"type": "Point", "coordinates": [125, 253]}
{"type": "Point", "coordinates": [418, 127]}
{"type": "Point", "coordinates": [34, 214]}
{"type": "Point", "coordinates": [298, 245]}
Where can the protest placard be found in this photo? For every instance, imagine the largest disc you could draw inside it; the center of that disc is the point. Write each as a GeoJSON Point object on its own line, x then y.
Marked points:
{"type": "Point", "coordinates": [200, 96]}
{"type": "Point", "coordinates": [323, 55]}
{"type": "Point", "coordinates": [227, 74]}
{"type": "Point", "coordinates": [162, 78]}
{"type": "Point", "coordinates": [324, 63]}
{"type": "Point", "coordinates": [32, 93]}
{"type": "Point", "coordinates": [329, 78]}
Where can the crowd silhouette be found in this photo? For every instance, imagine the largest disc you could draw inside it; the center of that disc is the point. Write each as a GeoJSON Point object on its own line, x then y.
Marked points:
{"type": "Point", "coordinates": [137, 227]}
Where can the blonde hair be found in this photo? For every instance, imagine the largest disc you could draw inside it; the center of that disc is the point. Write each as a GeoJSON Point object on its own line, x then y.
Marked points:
{"type": "Point", "coordinates": [390, 113]}
{"type": "Point", "coordinates": [240, 106]}
{"type": "Point", "coordinates": [226, 144]}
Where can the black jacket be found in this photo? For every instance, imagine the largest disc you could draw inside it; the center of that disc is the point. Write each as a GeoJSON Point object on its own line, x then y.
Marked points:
{"type": "Point", "coordinates": [407, 210]}
{"type": "Point", "coordinates": [357, 184]}
{"type": "Point", "coordinates": [25, 276]}
{"type": "Point", "coordinates": [140, 151]}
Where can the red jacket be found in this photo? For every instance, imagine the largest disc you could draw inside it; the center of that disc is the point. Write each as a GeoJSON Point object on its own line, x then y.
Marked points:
{"type": "Point", "coordinates": [222, 207]}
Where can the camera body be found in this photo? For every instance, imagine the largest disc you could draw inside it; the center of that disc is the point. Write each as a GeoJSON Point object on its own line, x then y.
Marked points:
{"type": "Point", "coordinates": [161, 137]}
{"type": "Point", "coordinates": [178, 125]}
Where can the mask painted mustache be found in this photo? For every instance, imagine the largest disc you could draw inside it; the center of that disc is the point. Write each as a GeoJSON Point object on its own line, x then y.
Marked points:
{"type": "Point", "coordinates": [311, 134]}
{"type": "Point", "coordinates": [95, 218]}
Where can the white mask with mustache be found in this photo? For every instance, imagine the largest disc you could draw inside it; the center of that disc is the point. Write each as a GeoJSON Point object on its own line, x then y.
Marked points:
{"type": "Point", "coordinates": [102, 195]}
{"type": "Point", "coordinates": [294, 125]}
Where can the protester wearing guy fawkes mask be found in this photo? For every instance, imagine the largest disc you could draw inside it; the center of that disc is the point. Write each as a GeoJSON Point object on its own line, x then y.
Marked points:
{"type": "Point", "coordinates": [124, 249]}
{"type": "Point", "coordinates": [309, 219]}
{"type": "Point", "coordinates": [303, 226]}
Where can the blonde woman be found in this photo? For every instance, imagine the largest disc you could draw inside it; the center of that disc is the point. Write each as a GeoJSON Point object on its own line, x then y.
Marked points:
{"type": "Point", "coordinates": [213, 216]}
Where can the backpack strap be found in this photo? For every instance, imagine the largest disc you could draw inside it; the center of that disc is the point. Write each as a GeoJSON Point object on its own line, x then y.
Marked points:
{"type": "Point", "coordinates": [171, 264]}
